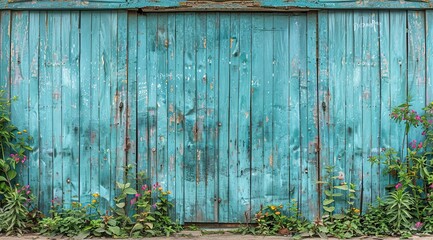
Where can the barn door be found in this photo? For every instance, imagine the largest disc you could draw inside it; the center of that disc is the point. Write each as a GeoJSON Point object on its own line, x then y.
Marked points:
{"type": "Point", "coordinates": [226, 107]}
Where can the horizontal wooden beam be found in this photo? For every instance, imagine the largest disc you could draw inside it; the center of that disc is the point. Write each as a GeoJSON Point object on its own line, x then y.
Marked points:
{"type": "Point", "coordinates": [214, 5]}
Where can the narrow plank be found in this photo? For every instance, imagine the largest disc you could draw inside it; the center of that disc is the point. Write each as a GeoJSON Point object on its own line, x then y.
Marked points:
{"type": "Point", "coordinates": [358, 75]}
{"type": "Point", "coordinates": [34, 177]}
{"type": "Point", "coordinates": [212, 48]}
{"type": "Point", "coordinates": [429, 52]}
{"type": "Point", "coordinates": [385, 92]}
{"type": "Point", "coordinates": [398, 73]}
{"type": "Point", "coordinates": [95, 83]}
{"type": "Point", "coordinates": [114, 103]}
{"type": "Point", "coordinates": [244, 120]}
{"type": "Point", "coordinates": [281, 108]}
{"type": "Point", "coordinates": [5, 51]}
{"type": "Point", "coordinates": [152, 105]}
{"type": "Point", "coordinates": [85, 108]}
{"type": "Point", "coordinates": [142, 99]}
{"type": "Point", "coordinates": [257, 134]}
{"type": "Point", "coordinates": [45, 112]}
{"type": "Point", "coordinates": [19, 72]}
{"type": "Point", "coordinates": [323, 76]}
{"type": "Point", "coordinates": [223, 117]}
{"type": "Point", "coordinates": [312, 119]}
{"type": "Point", "coordinates": [233, 165]}
{"type": "Point", "coordinates": [171, 111]}
{"type": "Point", "coordinates": [416, 66]}
{"type": "Point", "coordinates": [131, 107]}
{"type": "Point", "coordinates": [70, 105]}
{"type": "Point", "coordinates": [351, 114]}
{"type": "Point", "coordinates": [267, 118]}
{"type": "Point", "coordinates": [190, 118]}
{"type": "Point", "coordinates": [105, 107]}
{"type": "Point", "coordinates": [54, 66]}
{"type": "Point", "coordinates": [294, 106]}
{"type": "Point", "coordinates": [303, 111]}
{"type": "Point", "coordinates": [199, 128]}
{"type": "Point", "coordinates": [374, 80]}
{"type": "Point", "coordinates": [180, 118]}
{"type": "Point", "coordinates": [122, 91]}
{"type": "Point", "coordinates": [161, 99]}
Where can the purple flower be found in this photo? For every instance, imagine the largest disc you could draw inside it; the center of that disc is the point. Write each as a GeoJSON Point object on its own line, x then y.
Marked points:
{"type": "Point", "coordinates": [418, 225]}
{"type": "Point", "coordinates": [154, 205]}
{"type": "Point", "coordinates": [398, 185]}
{"type": "Point", "coordinates": [431, 185]}
{"type": "Point", "coordinates": [413, 144]}
{"type": "Point", "coordinates": [423, 133]}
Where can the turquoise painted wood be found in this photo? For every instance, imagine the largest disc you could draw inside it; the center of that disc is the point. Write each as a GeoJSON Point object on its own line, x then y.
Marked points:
{"type": "Point", "coordinates": [228, 111]}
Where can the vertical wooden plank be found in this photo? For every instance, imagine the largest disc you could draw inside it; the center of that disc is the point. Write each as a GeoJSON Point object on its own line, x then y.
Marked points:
{"type": "Point", "coordinates": [337, 113]}
{"type": "Point", "coordinates": [5, 51]}
{"type": "Point", "coordinates": [131, 106]}
{"type": "Point", "coordinates": [85, 114]}
{"type": "Point", "coordinates": [199, 128]}
{"type": "Point", "coordinates": [190, 118]}
{"type": "Point", "coordinates": [54, 66]}
{"type": "Point", "coordinates": [398, 73]}
{"type": "Point", "coordinates": [429, 52]}
{"type": "Point", "coordinates": [95, 79]}
{"type": "Point", "coordinates": [223, 117]}
{"type": "Point", "coordinates": [180, 118]}
{"type": "Point", "coordinates": [267, 119]}
{"type": "Point", "coordinates": [122, 80]}
{"type": "Point", "coordinates": [20, 78]}
{"type": "Point", "coordinates": [212, 77]}
{"type": "Point", "coordinates": [302, 26]}
{"type": "Point", "coordinates": [114, 103]}
{"type": "Point", "coordinates": [233, 89]}
{"type": "Point", "coordinates": [105, 107]}
{"type": "Point", "coordinates": [70, 105]}
{"type": "Point", "coordinates": [312, 119]}
{"type": "Point", "coordinates": [257, 134]}
{"type": "Point", "coordinates": [294, 106]}
{"type": "Point", "coordinates": [358, 75]}
{"type": "Point", "coordinates": [323, 26]}
{"type": "Point", "coordinates": [161, 99]}
{"type": "Point", "coordinates": [244, 120]}
{"type": "Point", "coordinates": [416, 65]}
{"type": "Point", "coordinates": [152, 83]}
{"type": "Point", "coordinates": [34, 177]}
{"type": "Point", "coordinates": [281, 110]}
{"type": "Point", "coordinates": [45, 112]}
{"type": "Point", "coordinates": [142, 97]}
{"type": "Point", "coordinates": [351, 113]}
{"type": "Point", "coordinates": [373, 79]}
{"type": "Point", "coordinates": [171, 103]}
{"type": "Point", "coordinates": [385, 92]}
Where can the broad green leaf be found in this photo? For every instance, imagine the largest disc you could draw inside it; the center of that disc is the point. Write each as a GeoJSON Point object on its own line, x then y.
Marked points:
{"type": "Point", "coordinates": [150, 225]}
{"type": "Point", "coordinates": [328, 193]}
{"type": "Point", "coordinates": [328, 201]}
{"type": "Point", "coordinates": [342, 187]}
{"type": "Point", "coordinates": [130, 191]}
{"type": "Point", "coordinates": [3, 179]}
{"type": "Point", "coordinates": [120, 205]}
{"type": "Point", "coordinates": [337, 194]}
{"type": "Point", "coordinates": [137, 227]}
{"type": "Point", "coordinates": [12, 174]}
{"type": "Point", "coordinates": [329, 209]}
{"type": "Point", "coordinates": [115, 230]}
{"type": "Point", "coordinates": [338, 216]}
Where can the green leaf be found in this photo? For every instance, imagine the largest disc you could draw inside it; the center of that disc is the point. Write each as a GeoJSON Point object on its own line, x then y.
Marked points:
{"type": "Point", "coordinates": [328, 201]}
{"type": "Point", "coordinates": [329, 209]}
{"type": "Point", "coordinates": [12, 174]}
{"type": "Point", "coordinates": [342, 187]}
{"type": "Point", "coordinates": [120, 205]}
{"type": "Point", "coordinates": [115, 230]}
{"type": "Point", "coordinates": [150, 225]}
{"type": "Point", "coordinates": [337, 194]}
{"type": "Point", "coordinates": [328, 193]}
{"type": "Point", "coordinates": [130, 191]}
{"type": "Point", "coordinates": [3, 179]}
{"type": "Point", "coordinates": [137, 227]}
{"type": "Point", "coordinates": [338, 216]}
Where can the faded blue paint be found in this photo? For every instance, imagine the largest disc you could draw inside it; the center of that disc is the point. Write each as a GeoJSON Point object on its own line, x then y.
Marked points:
{"type": "Point", "coordinates": [229, 111]}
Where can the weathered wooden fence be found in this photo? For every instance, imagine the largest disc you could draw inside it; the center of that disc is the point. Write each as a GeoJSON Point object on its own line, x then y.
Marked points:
{"type": "Point", "coordinates": [227, 110]}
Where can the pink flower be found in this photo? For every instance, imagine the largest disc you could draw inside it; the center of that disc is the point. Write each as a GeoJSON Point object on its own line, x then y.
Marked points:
{"type": "Point", "coordinates": [154, 205]}
{"type": "Point", "coordinates": [340, 176]}
{"type": "Point", "coordinates": [144, 187]}
{"type": "Point", "coordinates": [133, 201]}
{"type": "Point", "coordinates": [28, 192]}
{"type": "Point", "coordinates": [430, 121]}
{"type": "Point", "coordinates": [418, 225]}
{"type": "Point", "coordinates": [418, 118]}
{"type": "Point", "coordinates": [137, 195]}
{"type": "Point", "coordinates": [423, 133]}
{"type": "Point", "coordinates": [398, 185]}
{"type": "Point", "coordinates": [156, 185]}
{"type": "Point", "coordinates": [431, 185]}
{"type": "Point", "coordinates": [420, 145]}
{"type": "Point", "coordinates": [413, 144]}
